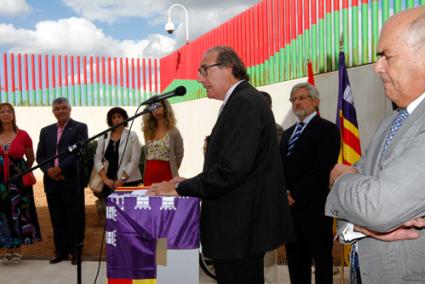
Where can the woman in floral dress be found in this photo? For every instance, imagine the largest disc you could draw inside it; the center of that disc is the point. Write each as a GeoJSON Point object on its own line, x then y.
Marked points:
{"type": "Point", "coordinates": [18, 217]}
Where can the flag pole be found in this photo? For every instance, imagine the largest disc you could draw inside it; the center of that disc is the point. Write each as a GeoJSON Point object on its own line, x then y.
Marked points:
{"type": "Point", "coordinates": [342, 274]}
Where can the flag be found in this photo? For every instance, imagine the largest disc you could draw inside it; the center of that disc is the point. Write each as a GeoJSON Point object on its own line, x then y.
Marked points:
{"type": "Point", "coordinates": [310, 79]}
{"type": "Point", "coordinates": [346, 120]}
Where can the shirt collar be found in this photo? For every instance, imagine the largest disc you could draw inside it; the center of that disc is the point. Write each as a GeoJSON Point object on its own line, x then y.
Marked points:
{"type": "Point", "coordinates": [66, 123]}
{"type": "Point", "coordinates": [411, 107]}
{"type": "Point", "coordinates": [308, 118]}
{"type": "Point", "coordinates": [230, 91]}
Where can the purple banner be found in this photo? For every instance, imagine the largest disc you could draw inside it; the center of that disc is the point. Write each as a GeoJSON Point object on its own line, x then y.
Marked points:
{"type": "Point", "coordinates": [135, 222]}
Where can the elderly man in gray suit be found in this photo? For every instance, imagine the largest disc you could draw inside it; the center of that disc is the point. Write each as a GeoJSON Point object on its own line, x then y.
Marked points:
{"type": "Point", "coordinates": [383, 195]}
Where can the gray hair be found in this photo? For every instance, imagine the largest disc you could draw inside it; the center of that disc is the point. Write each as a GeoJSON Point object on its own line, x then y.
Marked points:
{"type": "Point", "coordinates": [312, 90]}
{"type": "Point", "coordinates": [227, 56]}
{"type": "Point", "coordinates": [61, 100]}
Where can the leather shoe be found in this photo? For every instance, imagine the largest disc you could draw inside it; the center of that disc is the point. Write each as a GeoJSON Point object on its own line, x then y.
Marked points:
{"type": "Point", "coordinates": [58, 258]}
{"type": "Point", "coordinates": [74, 260]}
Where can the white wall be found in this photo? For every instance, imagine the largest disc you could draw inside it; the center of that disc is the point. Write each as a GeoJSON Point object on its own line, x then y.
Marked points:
{"type": "Point", "coordinates": [196, 118]}
{"type": "Point", "coordinates": [368, 93]}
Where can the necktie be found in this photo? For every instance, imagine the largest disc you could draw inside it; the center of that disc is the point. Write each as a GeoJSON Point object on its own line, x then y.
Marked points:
{"type": "Point", "coordinates": [59, 135]}
{"type": "Point", "coordinates": [355, 277]}
{"type": "Point", "coordinates": [294, 138]}
{"type": "Point", "coordinates": [398, 121]}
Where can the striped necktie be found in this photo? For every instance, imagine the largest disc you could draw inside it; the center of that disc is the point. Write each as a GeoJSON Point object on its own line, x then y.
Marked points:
{"type": "Point", "coordinates": [398, 121]}
{"type": "Point", "coordinates": [294, 138]}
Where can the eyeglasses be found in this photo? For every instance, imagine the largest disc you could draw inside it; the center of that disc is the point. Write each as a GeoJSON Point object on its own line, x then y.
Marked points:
{"type": "Point", "coordinates": [203, 69]}
{"type": "Point", "coordinates": [301, 98]}
{"type": "Point", "coordinates": [155, 106]}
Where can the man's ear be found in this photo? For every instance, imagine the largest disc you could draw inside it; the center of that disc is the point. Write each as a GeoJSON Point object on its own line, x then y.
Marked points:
{"type": "Point", "coordinates": [316, 102]}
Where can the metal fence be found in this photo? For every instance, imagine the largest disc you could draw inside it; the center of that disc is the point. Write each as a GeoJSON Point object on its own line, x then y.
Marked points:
{"type": "Point", "coordinates": [276, 38]}
{"type": "Point", "coordinates": [36, 79]}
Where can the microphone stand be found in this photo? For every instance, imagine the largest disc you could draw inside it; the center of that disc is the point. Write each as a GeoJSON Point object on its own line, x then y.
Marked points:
{"type": "Point", "coordinates": [78, 148]}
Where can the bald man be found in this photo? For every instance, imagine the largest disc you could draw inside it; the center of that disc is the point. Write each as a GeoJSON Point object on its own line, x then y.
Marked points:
{"type": "Point", "coordinates": [383, 195]}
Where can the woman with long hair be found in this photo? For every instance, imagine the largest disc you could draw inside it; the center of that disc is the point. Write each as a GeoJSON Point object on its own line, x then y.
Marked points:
{"type": "Point", "coordinates": [18, 217]}
{"type": "Point", "coordinates": [122, 157]}
{"type": "Point", "coordinates": [164, 144]}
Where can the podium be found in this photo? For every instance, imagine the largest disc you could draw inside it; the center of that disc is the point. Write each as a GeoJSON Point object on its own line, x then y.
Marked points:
{"type": "Point", "coordinates": [135, 226]}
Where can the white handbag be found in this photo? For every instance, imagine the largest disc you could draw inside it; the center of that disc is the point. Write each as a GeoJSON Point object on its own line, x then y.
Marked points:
{"type": "Point", "coordinates": [95, 182]}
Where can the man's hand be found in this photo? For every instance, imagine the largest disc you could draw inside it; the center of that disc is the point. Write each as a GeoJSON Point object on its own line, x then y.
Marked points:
{"type": "Point", "coordinates": [55, 173]}
{"type": "Point", "coordinates": [163, 188]}
{"type": "Point", "coordinates": [291, 200]}
{"type": "Point", "coordinates": [407, 231]}
{"type": "Point", "coordinates": [339, 170]}
{"type": "Point", "coordinates": [177, 179]}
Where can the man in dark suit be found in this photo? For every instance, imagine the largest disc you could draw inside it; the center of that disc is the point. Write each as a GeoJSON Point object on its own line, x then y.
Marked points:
{"type": "Point", "coordinates": [65, 195]}
{"type": "Point", "coordinates": [244, 207]}
{"type": "Point", "coordinates": [309, 150]}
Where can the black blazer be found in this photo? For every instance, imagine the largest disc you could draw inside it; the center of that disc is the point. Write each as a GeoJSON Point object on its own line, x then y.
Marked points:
{"type": "Point", "coordinates": [74, 132]}
{"type": "Point", "coordinates": [244, 208]}
{"type": "Point", "coordinates": [307, 168]}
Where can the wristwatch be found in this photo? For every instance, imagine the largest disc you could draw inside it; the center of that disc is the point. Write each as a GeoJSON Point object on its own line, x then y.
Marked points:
{"type": "Point", "coordinates": [124, 179]}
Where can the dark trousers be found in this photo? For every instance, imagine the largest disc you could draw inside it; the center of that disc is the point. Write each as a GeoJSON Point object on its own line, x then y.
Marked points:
{"type": "Point", "coordinates": [66, 209]}
{"type": "Point", "coordinates": [247, 270]}
{"type": "Point", "coordinates": [311, 247]}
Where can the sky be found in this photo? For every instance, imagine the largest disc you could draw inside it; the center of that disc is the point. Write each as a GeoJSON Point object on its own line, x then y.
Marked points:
{"type": "Point", "coordinates": [126, 28]}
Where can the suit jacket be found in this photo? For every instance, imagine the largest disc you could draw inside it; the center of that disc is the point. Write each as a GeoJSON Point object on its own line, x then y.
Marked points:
{"type": "Point", "coordinates": [244, 209]}
{"type": "Point", "coordinates": [128, 161]}
{"type": "Point", "coordinates": [74, 132]}
{"type": "Point", "coordinates": [388, 191]}
{"type": "Point", "coordinates": [307, 168]}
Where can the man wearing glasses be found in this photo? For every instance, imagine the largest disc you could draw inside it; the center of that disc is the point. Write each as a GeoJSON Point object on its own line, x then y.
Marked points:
{"type": "Point", "coordinates": [244, 204]}
{"type": "Point", "coordinates": [309, 150]}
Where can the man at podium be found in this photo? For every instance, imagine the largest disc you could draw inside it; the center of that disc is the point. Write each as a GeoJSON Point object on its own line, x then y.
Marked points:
{"type": "Point", "coordinates": [244, 204]}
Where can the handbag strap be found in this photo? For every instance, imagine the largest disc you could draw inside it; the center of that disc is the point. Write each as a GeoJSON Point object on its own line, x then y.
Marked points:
{"type": "Point", "coordinates": [7, 161]}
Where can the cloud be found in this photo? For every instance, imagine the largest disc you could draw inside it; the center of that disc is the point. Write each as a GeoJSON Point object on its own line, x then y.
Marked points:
{"type": "Point", "coordinates": [203, 15]}
{"type": "Point", "coordinates": [14, 7]}
{"type": "Point", "coordinates": [79, 36]}
{"type": "Point", "coordinates": [113, 10]}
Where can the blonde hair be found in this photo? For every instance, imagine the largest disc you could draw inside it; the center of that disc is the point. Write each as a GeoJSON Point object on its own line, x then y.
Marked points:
{"type": "Point", "coordinates": [8, 105]}
{"type": "Point", "coordinates": [150, 124]}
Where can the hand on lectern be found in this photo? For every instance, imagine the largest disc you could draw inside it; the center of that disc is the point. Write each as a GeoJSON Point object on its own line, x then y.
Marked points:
{"type": "Point", "coordinates": [176, 180]}
{"type": "Point", "coordinates": [163, 188]}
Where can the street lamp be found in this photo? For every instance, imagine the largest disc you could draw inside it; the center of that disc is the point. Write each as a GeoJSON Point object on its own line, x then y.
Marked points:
{"type": "Point", "coordinates": [170, 27]}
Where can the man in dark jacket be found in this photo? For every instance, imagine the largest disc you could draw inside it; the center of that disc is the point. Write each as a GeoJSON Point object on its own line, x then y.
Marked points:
{"type": "Point", "coordinates": [309, 150]}
{"type": "Point", "coordinates": [65, 194]}
{"type": "Point", "coordinates": [244, 207]}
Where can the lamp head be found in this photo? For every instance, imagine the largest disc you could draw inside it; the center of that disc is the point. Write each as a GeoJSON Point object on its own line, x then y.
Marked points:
{"type": "Point", "coordinates": [169, 26]}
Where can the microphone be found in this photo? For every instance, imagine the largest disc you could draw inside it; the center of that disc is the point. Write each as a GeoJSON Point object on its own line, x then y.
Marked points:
{"type": "Point", "coordinates": [179, 91]}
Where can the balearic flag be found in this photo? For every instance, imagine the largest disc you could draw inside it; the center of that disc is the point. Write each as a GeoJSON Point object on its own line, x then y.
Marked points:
{"type": "Point", "coordinates": [346, 118]}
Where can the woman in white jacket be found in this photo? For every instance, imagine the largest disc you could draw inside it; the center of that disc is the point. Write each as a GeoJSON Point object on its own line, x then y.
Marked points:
{"type": "Point", "coordinates": [119, 155]}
